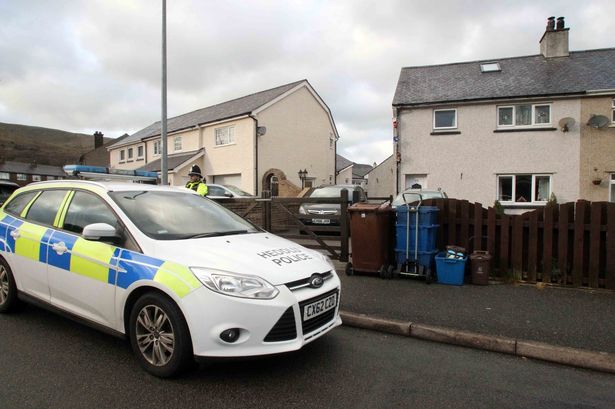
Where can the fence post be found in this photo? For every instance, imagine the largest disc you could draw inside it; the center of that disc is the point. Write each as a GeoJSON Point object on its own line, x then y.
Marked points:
{"type": "Point", "coordinates": [578, 247]}
{"type": "Point", "coordinates": [266, 210]}
{"type": "Point", "coordinates": [610, 247]}
{"type": "Point", "coordinates": [547, 241]}
{"type": "Point", "coordinates": [532, 243]}
{"type": "Point", "coordinates": [562, 253]}
{"type": "Point", "coordinates": [594, 244]}
{"type": "Point", "coordinates": [344, 230]}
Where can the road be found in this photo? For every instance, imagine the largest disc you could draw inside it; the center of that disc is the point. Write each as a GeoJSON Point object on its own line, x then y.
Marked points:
{"type": "Point", "coordinates": [47, 361]}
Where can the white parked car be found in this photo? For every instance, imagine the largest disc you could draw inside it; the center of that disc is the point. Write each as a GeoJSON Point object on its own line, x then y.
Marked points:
{"type": "Point", "coordinates": [216, 191]}
{"type": "Point", "coordinates": [176, 273]}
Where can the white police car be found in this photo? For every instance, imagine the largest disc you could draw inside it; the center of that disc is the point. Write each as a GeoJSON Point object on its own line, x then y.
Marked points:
{"type": "Point", "coordinates": [179, 275]}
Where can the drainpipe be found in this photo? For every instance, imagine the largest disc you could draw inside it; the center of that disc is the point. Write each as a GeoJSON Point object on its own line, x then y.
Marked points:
{"type": "Point", "coordinates": [396, 147]}
{"type": "Point", "coordinates": [255, 154]}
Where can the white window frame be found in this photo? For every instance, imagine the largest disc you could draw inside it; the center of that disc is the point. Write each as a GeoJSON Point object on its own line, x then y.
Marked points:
{"type": "Point", "coordinates": [230, 135]}
{"type": "Point", "coordinates": [514, 188]}
{"type": "Point", "coordinates": [5, 175]}
{"type": "Point", "coordinates": [157, 147]}
{"type": "Point", "coordinates": [444, 127]}
{"type": "Point", "coordinates": [613, 111]}
{"type": "Point", "coordinates": [140, 151]}
{"type": "Point", "coordinates": [177, 143]}
{"type": "Point", "coordinates": [611, 187]}
{"type": "Point", "coordinates": [130, 154]}
{"type": "Point", "coordinates": [533, 123]}
{"type": "Point", "coordinates": [122, 156]}
{"type": "Point", "coordinates": [21, 176]}
{"type": "Point", "coordinates": [36, 178]}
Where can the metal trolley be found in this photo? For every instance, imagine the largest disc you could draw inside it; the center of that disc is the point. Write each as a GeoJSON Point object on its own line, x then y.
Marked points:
{"type": "Point", "coordinates": [414, 264]}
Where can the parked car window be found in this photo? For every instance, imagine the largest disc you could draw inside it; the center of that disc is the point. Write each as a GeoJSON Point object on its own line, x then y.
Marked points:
{"type": "Point", "coordinates": [176, 216]}
{"type": "Point", "coordinates": [84, 209]}
{"type": "Point", "coordinates": [45, 207]}
{"type": "Point", "coordinates": [18, 203]}
{"type": "Point", "coordinates": [335, 191]}
{"type": "Point", "coordinates": [236, 191]}
{"type": "Point", "coordinates": [215, 191]}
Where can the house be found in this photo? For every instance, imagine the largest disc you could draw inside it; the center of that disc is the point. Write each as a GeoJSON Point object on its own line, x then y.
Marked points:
{"type": "Point", "coordinates": [257, 142]}
{"type": "Point", "coordinates": [349, 172]}
{"type": "Point", "coordinates": [99, 156]}
{"type": "Point", "coordinates": [517, 130]}
{"type": "Point", "coordinates": [381, 178]}
{"type": "Point", "coordinates": [23, 173]}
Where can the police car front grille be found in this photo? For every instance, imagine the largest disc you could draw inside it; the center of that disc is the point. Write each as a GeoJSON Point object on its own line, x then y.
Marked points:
{"type": "Point", "coordinates": [285, 329]}
{"type": "Point", "coordinates": [321, 320]}
{"type": "Point", "coordinates": [295, 285]}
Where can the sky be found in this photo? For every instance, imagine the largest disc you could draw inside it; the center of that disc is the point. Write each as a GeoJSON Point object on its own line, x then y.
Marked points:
{"type": "Point", "coordinates": [95, 65]}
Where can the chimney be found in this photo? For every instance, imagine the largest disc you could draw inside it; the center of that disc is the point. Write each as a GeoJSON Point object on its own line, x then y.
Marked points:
{"type": "Point", "coordinates": [98, 139]}
{"type": "Point", "coordinates": [554, 42]}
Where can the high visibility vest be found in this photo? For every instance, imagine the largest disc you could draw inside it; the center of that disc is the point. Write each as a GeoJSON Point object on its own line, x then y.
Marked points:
{"type": "Point", "coordinates": [199, 187]}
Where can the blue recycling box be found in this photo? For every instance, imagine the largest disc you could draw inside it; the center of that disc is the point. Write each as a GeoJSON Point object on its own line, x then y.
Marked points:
{"type": "Point", "coordinates": [450, 270]}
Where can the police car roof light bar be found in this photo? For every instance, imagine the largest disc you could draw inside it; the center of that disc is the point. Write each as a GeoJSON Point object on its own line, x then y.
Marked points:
{"type": "Point", "coordinates": [99, 172]}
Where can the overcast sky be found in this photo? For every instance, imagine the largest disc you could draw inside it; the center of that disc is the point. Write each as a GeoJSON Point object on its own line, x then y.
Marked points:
{"type": "Point", "coordinates": [90, 65]}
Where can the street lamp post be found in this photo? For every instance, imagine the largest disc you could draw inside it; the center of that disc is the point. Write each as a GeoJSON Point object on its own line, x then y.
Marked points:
{"type": "Point", "coordinates": [302, 175]}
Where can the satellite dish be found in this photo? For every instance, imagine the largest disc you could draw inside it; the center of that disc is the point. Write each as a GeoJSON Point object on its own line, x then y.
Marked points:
{"type": "Point", "coordinates": [598, 121]}
{"type": "Point", "coordinates": [261, 130]}
{"type": "Point", "coordinates": [565, 124]}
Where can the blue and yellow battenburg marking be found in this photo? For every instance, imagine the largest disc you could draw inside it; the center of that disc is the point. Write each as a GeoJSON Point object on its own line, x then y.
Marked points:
{"type": "Point", "coordinates": [96, 260]}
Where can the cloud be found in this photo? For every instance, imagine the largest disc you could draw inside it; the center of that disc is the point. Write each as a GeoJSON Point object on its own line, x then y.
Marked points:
{"type": "Point", "coordinates": [78, 65]}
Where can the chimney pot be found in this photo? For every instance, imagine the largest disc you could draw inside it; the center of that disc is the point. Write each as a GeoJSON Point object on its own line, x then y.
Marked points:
{"type": "Point", "coordinates": [560, 23]}
{"type": "Point", "coordinates": [551, 24]}
{"type": "Point", "coordinates": [98, 139]}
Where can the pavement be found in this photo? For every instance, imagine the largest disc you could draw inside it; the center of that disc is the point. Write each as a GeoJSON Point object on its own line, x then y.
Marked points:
{"type": "Point", "coordinates": [564, 325]}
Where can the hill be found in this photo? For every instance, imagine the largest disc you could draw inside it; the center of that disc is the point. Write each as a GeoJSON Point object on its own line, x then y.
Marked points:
{"type": "Point", "coordinates": [46, 146]}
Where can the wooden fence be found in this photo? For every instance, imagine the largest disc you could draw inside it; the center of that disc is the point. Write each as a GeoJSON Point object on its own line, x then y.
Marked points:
{"type": "Point", "coordinates": [570, 244]}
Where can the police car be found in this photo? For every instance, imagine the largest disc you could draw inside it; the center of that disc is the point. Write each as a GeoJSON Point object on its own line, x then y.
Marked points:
{"type": "Point", "coordinates": [179, 275]}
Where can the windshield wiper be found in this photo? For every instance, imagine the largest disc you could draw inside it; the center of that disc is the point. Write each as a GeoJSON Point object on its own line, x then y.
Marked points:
{"type": "Point", "coordinates": [216, 234]}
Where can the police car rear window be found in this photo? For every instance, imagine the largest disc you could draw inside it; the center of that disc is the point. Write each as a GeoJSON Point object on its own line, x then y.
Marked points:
{"type": "Point", "coordinates": [19, 202]}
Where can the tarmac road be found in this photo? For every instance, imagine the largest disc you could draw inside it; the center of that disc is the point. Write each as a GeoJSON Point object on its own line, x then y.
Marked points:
{"type": "Point", "coordinates": [47, 361]}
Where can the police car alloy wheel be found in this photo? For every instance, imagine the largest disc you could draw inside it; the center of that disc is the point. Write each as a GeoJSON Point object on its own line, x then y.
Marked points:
{"type": "Point", "coordinates": [159, 336]}
{"type": "Point", "coordinates": [8, 291]}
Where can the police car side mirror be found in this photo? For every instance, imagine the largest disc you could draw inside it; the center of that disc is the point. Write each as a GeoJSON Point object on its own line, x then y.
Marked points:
{"type": "Point", "coordinates": [100, 232]}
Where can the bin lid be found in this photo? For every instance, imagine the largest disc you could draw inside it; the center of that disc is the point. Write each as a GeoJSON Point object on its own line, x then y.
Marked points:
{"type": "Point", "coordinates": [371, 207]}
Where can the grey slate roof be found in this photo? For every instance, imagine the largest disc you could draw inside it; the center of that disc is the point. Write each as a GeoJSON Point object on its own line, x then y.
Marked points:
{"type": "Point", "coordinates": [359, 170]}
{"type": "Point", "coordinates": [527, 76]}
{"type": "Point", "coordinates": [31, 169]}
{"type": "Point", "coordinates": [224, 110]}
{"type": "Point", "coordinates": [341, 162]}
{"type": "Point", "coordinates": [172, 161]}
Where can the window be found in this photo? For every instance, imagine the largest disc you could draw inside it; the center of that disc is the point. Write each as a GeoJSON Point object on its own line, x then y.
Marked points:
{"type": "Point", "coordinates": [140, 151]}
{"type": "Point", "coordinates": [215, 191]}
{"type": "Point", "coordinates": [4, 175]}
{"type": "Point", "coordinates": [129, 153]}
{"type": "Point", "coordinates": [226, 135]}
{"type": "Point", "coordinates": [157, 147]}
{"type": "Point", "coordinates": [612, 188]}
{"type": "Point", "coordinates": [84, 209]}
{"type": "Point", "coordinates": [524, 115]}
{"type": "Point", "coordinates": [16, 206]}
{"type": "Point", "coordinates": [177, 143]}
{"type": "Point", "coordinates": [122, 155]}
{"type": "Point", "coordinates": [51, 177]}
{"type": "Point", "coordinates": [490, 67]}
{"type": "Point", "coordinates": [613, 111]}
{"type": "Point", "coordinates": [22, 176]}
{"type": "Point", "coordinates": [36, 178]}
{"type": "Point", "coordinates": [45, 207]}
{"type": "Point", "coordinates": [524, 188]}
{"type": "Point", "coordinates": [444, 119]}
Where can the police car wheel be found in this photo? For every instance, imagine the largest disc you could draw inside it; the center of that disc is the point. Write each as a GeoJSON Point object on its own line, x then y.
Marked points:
{"type": "Point", "coordinates": [8, 290]}
{"type": "Point", "coordinates": [159, 336]}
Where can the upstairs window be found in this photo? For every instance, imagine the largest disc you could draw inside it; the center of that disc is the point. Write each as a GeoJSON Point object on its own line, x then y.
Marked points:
{"type": "Point", "coordinates": [612, 188]}
{"type": "Point", "coordinates": [130, 154]}
{"type": "Point", "coordinates": [4, 175]}
{"type": "Point", "coordinates": [36, 178]}
{"type": "Point", "coordinates": [22, 176]}
{"type": "Point", "coordinates": [140, 151]}
{"type": "Point", "coordinates": [526, 115]}
{"type": "Point", "coordinates": [177, 143]}
{"type": "Point", "coordinates": [157, 147]}
{"type": "Point", "coordinates": [444, 118]}
{"type": "Point", "coordinates": [613, 111]}
{"type": "Point", "coordinates": [490, 67]}
{"type": "Point", "coordinates": [225, 136]}
{"type": "Point", "coordinates": [122, 155]}
{"type": "Point", "coordinates": [524, 188]}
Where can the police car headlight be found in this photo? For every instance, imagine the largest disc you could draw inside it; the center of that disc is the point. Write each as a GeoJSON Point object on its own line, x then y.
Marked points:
{"type": "Point", "coordinates": [235, 285]}
{"type": "Point", "coordinates": [302, 210]}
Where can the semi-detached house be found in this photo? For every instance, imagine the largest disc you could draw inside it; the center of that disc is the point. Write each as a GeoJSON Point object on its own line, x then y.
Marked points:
{"type": "Point", "coordinates": [257, 142]}
{"type": "Point", "coordinates": [516, 130]}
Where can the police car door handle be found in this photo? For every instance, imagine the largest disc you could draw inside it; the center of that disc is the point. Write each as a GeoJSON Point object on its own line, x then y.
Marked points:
{"type": "Point", "coordinates": [59, 248]}
{"type": "Point", "coordinates": [15, 234]}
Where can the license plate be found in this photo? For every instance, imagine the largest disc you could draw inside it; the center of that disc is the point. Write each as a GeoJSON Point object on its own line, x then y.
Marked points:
{"type": "Point", "coordinates": [319, 307]}
{"type": "Point", "coordinates": [321, 221]}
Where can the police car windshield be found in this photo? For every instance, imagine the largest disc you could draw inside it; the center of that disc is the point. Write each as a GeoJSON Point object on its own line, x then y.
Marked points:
{"type": "Point", "coordinates": [176, 215]}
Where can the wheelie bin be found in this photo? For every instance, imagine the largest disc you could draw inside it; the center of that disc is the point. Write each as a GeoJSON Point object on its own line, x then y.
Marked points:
{"type": "Point", "coordinates": [371, 235]}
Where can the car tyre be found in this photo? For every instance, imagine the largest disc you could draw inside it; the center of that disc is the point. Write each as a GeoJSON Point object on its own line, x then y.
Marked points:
{"type": "Point", "coordinates": [159, 336]}
{"type": "Point", "coordinates": [8, 289]}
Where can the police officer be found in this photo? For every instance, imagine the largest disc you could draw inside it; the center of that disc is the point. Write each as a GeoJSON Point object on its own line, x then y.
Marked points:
{"type": "Point", "coordinates": [196, 183]}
